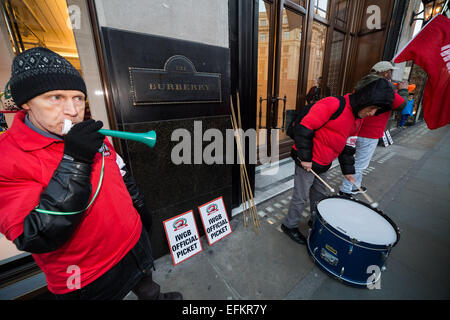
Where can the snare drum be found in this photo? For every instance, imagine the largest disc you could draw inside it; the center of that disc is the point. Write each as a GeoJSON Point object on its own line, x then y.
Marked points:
{"type": "Point", "coordinates": [350, 240]}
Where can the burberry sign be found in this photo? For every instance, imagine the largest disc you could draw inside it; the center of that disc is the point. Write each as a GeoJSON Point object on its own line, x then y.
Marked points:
{"type": "Point", "coordinates": [178, 82]}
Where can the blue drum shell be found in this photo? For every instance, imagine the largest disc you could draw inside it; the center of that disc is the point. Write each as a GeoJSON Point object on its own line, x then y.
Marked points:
{"type": "Point", "coordinates": [346, 259]}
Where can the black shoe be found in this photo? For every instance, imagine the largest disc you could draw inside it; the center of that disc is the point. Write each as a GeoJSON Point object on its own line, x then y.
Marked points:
{"type": "Point", "coordinates": [294, 234]}
{"type": "Point", "coordinates": [347, 195]}
{"type": "Point", "coordinates": [356, 191]}
{"type": "Point", "coordinates": [147, 289]}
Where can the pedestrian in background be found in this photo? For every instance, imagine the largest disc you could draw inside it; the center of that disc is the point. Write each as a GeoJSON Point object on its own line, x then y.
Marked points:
{"type": "Point", "coordinates": [317, 92]}
{"type": "Point", "coordinates": [372, 128]}
{"type": "Point", "coordinates": [407, 111]}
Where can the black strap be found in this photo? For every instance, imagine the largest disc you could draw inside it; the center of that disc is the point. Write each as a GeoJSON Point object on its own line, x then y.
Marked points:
{"type": "Point", "coordinates": [340, 109]}
{"type": "Point", "coordinates": [338, 112]}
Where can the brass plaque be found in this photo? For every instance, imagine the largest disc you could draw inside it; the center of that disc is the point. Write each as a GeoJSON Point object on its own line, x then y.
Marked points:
{"type": "Point", "coordinates": [178, 82]}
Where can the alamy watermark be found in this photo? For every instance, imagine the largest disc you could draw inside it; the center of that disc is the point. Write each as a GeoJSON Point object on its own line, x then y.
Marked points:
{"type": "Point", "coordinates": [74, 20]}
{"type": "Point", "coordinates": [74, 280]}
{"type": "Point", "coordinates": [374, 19]}
{"type": "Point", "coordinates": [374, 280]}
{"type": "Point", "coordinates": [191, 148]}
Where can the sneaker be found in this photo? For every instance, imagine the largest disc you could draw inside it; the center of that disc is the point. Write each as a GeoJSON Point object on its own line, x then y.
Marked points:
{"type": "Point", "coordinates": [347, 195]}
{"type": "Point", "coordinates": [356, 191]}
{"type": "Point", "coordinates": [294, 234]}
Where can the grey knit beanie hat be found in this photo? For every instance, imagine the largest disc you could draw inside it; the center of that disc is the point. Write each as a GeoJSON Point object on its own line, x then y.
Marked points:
{"type": "Point", "coordinates": [39, 70]}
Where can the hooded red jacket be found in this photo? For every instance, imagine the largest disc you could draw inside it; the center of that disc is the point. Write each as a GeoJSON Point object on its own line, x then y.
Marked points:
{"type": "Point", "coordinates": [330, 135]}
{"type": "Point", "coordinates": [109, 228]}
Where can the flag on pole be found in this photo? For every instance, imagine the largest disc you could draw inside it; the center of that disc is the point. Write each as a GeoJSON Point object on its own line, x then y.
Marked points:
{"type": "Point", "coordinates": [430, 49]}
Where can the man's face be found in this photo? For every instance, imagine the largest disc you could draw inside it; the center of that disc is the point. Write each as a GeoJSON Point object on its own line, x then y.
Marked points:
{"type": "Point", "coordinates": [387, 74]}
{"type": "Point", "coordinates": [368, 111]}
{"type": "Point", "coordinates": [48, 110]}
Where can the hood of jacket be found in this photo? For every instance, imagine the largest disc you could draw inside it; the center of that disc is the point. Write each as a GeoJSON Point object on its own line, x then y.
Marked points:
{"type": "Point", "coordinates": [372, 90]}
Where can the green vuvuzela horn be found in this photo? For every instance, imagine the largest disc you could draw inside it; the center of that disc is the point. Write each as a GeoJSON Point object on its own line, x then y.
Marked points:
{"type": "Point", "coordinates": [149, 138]}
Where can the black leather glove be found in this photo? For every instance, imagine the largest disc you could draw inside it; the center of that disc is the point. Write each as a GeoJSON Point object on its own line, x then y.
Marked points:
{"type": "Point", "coordinates": [83, 141]}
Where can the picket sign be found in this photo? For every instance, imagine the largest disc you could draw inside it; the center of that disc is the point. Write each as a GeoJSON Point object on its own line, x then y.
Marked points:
{"type": "Point", "coordinates": [387, 139]}
{"type": "Point", "coordinates": [215, 220]}
{"type": "Point", "coordinates": [182, 233]}
{"type": "Point", "coordinates": [182, 236]}
{"type": "Point", "coordinates": [388, 135]}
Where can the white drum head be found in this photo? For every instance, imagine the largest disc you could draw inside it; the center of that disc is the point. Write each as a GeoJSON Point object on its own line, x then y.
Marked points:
{"type": "Point", "coordinates": [357, 221]}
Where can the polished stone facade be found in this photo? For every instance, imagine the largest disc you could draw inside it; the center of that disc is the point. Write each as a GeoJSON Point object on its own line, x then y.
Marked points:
{"type": "Point", "coordinates": [169, 189]}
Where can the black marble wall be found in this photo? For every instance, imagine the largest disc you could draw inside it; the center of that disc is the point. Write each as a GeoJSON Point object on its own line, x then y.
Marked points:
{"type": "Point", "coordinates": [169, 189]}
{"type": "Point", "coordinates": [174, 189]}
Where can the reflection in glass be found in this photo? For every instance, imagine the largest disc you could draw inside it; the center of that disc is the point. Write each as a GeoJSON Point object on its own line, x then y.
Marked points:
{"type": "Point", "coordinates": [319, 34]}
{"type": "Point", "coordinates": [290, 60]}
{"type": "Point", "coordinates": [321, 8]}
{"type": "Point", "coordinates": [341, 13]}
{"type": "Point", "coordinates": [337, 45]}
{"type": "Point", "coordinates": [428, 10]}
{"type": "Point", "coordinates": [299, 2]}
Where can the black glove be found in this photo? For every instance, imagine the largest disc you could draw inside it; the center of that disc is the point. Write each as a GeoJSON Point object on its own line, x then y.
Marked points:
{"type": "Point", "coordinates": [83, 141]}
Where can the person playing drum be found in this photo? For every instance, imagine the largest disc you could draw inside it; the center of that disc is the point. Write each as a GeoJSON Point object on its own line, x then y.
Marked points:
{"type": "Point", "coordinates": [319, 140]}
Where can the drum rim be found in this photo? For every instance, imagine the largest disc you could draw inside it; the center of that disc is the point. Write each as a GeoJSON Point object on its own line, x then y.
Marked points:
{"type": "Point", "coordinates": [363, 244]}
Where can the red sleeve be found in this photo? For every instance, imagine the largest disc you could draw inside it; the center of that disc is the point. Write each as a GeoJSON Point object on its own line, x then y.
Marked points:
{"type": "Point", "coordinates": [17, 199]}
{"type": "Point", "coordinates": [320, 113]}
{"type": "Point", "coordinates": [398, 100]}
{"type": "Point", "coordinates": [20, 189]}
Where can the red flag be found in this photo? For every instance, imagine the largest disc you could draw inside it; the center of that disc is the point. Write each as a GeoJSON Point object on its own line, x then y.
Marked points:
{"type": "Point", "coordinates": [430, 49]}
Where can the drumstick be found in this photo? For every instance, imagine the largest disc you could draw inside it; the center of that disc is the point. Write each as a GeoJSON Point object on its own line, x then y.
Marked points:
{"type": "Point", "coordinates": [373, 204]}
{"type": "Point", "coordinates": [323, 181]}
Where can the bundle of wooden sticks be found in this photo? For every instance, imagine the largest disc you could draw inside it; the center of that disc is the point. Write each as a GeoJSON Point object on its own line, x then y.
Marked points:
{"type": "Point", "coordinates": [248, 202]}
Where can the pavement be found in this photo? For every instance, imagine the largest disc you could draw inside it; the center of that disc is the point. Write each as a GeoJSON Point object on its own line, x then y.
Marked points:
{"type": "Point", "coordinates": [411, 182]}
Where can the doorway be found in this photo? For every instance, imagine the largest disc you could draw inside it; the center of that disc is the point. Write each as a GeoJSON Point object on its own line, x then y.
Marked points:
{"type": "Point", "coordinates": [292, 48]}
{"type": "Point", "coordinates": [279, 62]}
{"type": "Point", "coordinates": [289, 64]}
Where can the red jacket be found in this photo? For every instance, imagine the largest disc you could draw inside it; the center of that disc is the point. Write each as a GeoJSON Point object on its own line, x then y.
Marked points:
{"type": "Point", "coordinates": [373, 127]}
{"type": "Point", "coordinates": [109, 228]}
{"type": "Point", "coordinates": [330, 139]}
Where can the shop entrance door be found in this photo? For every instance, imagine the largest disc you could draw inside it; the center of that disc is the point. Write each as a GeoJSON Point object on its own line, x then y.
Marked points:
{"type": "Point", "coordinates": [279, 61]}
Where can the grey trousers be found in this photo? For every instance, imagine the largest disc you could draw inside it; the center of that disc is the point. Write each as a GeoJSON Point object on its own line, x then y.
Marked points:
{"type": "Point", "coordinates": [306, 186]}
